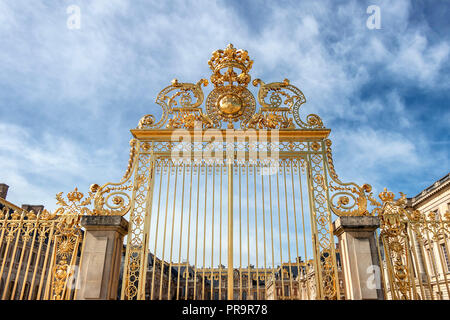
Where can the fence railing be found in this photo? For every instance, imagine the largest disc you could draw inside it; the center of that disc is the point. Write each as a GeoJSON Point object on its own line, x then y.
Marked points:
{"type": "Point", "coordinates": [39, 253]}
{"type": "Point", "coordinates": [415, 245]}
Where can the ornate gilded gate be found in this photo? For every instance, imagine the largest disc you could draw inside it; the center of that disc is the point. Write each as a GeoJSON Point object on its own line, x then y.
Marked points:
{"type": "Point", "coordinates": [415, 247]}
{"type": "Point", "coordinates": [224, 212]}
{"type": "Point", "coordinates": [40, 251]}
{"type": "Point", "coordinates": [232, 201]}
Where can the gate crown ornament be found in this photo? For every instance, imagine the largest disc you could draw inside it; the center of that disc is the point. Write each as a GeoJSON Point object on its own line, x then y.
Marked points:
{"type": "Point", "coordinates": [230, 101]}
{"type": "Point", "coordinates": [230, 58]}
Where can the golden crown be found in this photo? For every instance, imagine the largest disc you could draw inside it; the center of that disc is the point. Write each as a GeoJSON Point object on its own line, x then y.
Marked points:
{"type": "Point", "coordinates": [230, 58]}
{"type": "Point", "coordinates": [386, 195]}
{"type": "Point", "coordinates": [75, 195]}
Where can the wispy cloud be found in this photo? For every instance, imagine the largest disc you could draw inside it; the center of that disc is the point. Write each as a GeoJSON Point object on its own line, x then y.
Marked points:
{"type": "Point", "coordinates": [68, 97]}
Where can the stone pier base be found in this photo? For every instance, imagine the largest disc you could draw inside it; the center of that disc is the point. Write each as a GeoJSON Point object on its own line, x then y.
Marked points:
{"type": "Point", "coordinates": [100, 264]}
{"type": "Point", "coordinates": [359, 256]}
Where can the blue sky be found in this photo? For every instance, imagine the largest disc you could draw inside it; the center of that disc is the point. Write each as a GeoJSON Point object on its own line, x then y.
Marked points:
{"type": "Point", "coordinates": [69, 97]}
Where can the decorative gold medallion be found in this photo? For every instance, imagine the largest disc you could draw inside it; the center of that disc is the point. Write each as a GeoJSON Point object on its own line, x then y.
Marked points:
{"type": "Point", "coordinates": [230, 104]}
{"type": "Point", "coordinates": [230, 101]}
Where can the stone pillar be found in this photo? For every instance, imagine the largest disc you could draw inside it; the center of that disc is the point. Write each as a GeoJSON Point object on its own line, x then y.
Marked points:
{"type": "Point", "coordinates": [359, 257]}
{"type": "Point", "coordinates": [3, 190]}
{"type": "Point", "coordinates": [35, 208]}
{"type": "Point", "coordinates": [100, 264]}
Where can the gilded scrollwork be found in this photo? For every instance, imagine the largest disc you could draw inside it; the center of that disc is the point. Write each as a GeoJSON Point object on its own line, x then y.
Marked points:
{"type": "Point", "coordinates": [230, 101]}
{"type": "Point", "coordinates": [114, 198]}
{"type": "Point", "coordinates": [394, 218]}
{"type": "Point", "coordinates": [293, 98]}
{"type": "Point", "coordinates": [75, 205]}
{"type": "Point", "coordinates": [267, 119]}
{"type": "Point", "coordinates": [348, 199]}
{"type": "Point", "coordinates": [179, 100]}
{"type": "Point", "coordinates": [68, 237]}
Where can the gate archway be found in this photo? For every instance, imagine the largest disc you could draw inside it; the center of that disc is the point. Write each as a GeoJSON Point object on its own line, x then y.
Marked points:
{"type": "Point", "coordinates": [233, 200]}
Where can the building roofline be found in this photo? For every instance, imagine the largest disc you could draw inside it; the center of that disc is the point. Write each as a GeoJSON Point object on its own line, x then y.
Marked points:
{"type": "Point", "coordinates": [431, 190]}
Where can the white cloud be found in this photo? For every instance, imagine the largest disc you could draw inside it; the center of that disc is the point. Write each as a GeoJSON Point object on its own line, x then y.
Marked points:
{"type": "Point", "coordinates": [417, 60]}
{"type": "Point", "coordinates": [128, 51]}
{"type": "Point", "coordinates": [36, 167]}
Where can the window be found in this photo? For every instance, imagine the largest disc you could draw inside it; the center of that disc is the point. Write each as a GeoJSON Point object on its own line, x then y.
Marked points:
{"type": "Point", "coordinates": [445, 254]}
{"type": "Point", "coordinates": [432, 261]}
{"type": "Point", "coordinates": [27, 290]}
{"type": "Point", "coordinates": [35, 294]}
{"type": "Point", "coordinates": [19, 252]}
{"type": "Point", "coordinates": [286, 291]}
{"type": "Point", "coordinates": [438, 216]}
{"type": "Point", "coordinates": [10, 289]}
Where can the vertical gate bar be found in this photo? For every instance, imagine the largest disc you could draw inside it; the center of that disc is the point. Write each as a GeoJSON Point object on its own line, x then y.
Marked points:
{"type": "Point", "coordinates": [271, 229]}
{"type": "Point", "coordinates": [416, 260]}
{"type": "Point", "coordinates": [220, 234]}
{"type": "Point", "coordinates": [264, 233]}
{"type": "Point", "coordinates": [50, 268]}
{"type": "Point", "coordinates": [279, 234]}
{"type": "Point", "coordinates": [6, 245]}
{"type": "Point", "coordinates": [212, 232]}
{"type": "Point", "coordinates": [330, 224]}
{"type": "Point", "coordinates": [315, 244]}
{"type": "Point", "coordinates": [409, 264]}
{"type": "Point", "coordinates": [22, 254]}
{"type": "Point", "coordinates": [162, 264]}
{"type": "Point", "coordinates": [4, 224]}
{"type": "Point", "coordinates": [181, 233]}
{"type": "Point", "coordinates": [287, 229]}
{"type": "Point", "coordinates": [25, 277]}
{"type": "Point", "coordinates": [425, 265]}
{"type": "Point", "coordinates": [443, 265]}
{"type": "Point", "coordinates": [446, 248]}
{"type": "Point", "coordinates": [188, 236]}
{"type": "Point", "coordinates": [196, 233]}
{"type": "Point", "coordinates": [13, 256]}
{"type": "Point", "coordinates": [156, 229]}
{"type": "Point", "coordinates": [38, 259]}
{"type": "Point", "coordinates": [433, 264]}
{"type": "Point", "coordinates": [230, 230]}
{"type": "Point", "coordinates": [383, 276]}
{"type": "Point", "coordinates": [204, 231]}
{"type": "Point", "coordinates": [147, 226]}
{"type": "Point", "coordinates": [79, 264]}
{"type": "Point", "coordinates": [303, 227]}
{"type": "Point", "coordinates": [171, 235]}
{"type": "Point", "coordinates": [65, 292]}
{"type": "Point", "coordinates": [389, 267]}
{"type": "Point", "coordinates": [125, 275]}
{"type": "Point", "coordinates": [248, 236]}
{"type": "Point", "coordinates": [295, 225]}
{"type": "Point", "coordinates": [256, 233]}
{"type": "Point", "coordinates": [240, 235]}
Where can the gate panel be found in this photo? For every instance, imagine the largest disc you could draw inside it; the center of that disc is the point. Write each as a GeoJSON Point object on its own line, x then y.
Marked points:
{"type": "Point", "coordinates": [189, 248]}
{"type": "Point", "coordinates": [415, 251]}
{"type": "Point", "coordinates": [219, 251]}
{"type": "Point", "coordinates": [39, 253]}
